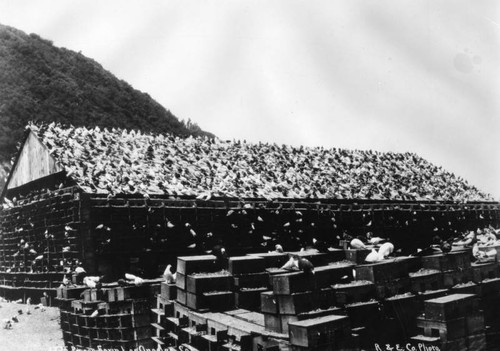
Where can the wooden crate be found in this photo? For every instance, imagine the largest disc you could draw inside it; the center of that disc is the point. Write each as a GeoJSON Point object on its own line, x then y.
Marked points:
{"type": "Point", "coordinates": [450, 307]}
{"type": "Point", "coordinates": [296, 303]}
{"type": "Point", "coordinates": [253, 280]}
{"type": "Point", "coordinates": [246, 264]}
{"type": "Point", "coordinates": [384, 271]}
{"type": "Point", "coordinates": [269, 303]}
{"type": "Point", "coordinates": [447, 330]}
{"type": "Point", "coordinates": [200, 283]}
{"type": "Point", "coordinates": [289, 283]}
{"type": "Point", "coordinates": [196, 264]}
{"type": "Point", "coordinates": [453, 261]}
{"type": "Point", "coordinates": [318, 331]}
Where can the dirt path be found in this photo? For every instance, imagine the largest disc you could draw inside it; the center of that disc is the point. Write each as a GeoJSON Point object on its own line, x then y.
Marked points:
{"type": "Point", "coordinates": [38, 331]}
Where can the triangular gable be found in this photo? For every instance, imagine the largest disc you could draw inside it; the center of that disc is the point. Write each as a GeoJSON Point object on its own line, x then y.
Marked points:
{"type": "Point", "coordinates": [33, 162]}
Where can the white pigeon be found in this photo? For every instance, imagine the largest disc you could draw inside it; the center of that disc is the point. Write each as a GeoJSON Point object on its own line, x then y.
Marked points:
{"type": "Point", "coordinates": [357, 244]}
{"type": "Point", "coordinates": [292, 263]}
{"type": "Point", "coordinates": [135, 280]}
{"type": "Point", "coordinates": [94, 314]}
{"type": "Point", "coordinates": [373, 256]}
{"type": "Point", "coordinates": [79, 270]}
{"type": "Point", "coordinates": [385, 250]}
{"type": "Point", "coordinates": [169, 276]}
{"type": "Point", "coordinates": [90, 281]}
{"type": "Point", "coordinates": [376, 240]}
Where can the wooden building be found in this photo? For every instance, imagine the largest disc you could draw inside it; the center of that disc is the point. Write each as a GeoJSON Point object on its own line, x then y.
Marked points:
{"type": "Point", "coordinates": [118, 201]}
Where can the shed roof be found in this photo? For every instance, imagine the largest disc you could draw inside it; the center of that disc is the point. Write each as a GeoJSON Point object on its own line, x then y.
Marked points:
{"type": "Point", "coordinates": [119, 161]}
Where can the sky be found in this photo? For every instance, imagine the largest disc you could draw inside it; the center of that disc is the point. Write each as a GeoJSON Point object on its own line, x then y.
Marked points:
{"type": "Point", "coordinates": [390, 75]}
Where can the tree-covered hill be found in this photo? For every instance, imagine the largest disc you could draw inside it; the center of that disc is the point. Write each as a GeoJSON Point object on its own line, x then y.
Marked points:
{"type": "Point", "coordinates": [41, 82]}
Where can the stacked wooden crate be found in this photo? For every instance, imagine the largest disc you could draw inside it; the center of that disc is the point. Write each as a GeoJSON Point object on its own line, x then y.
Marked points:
{"type": "Point", "coordinates": [201, 285]}
{"type": "Point", "coordinates": [380, 306]}
{"type": "Point", "coordinates": [490, 300]}
{"type": "Point", "coordinates": [114, 317]}
{"type": "Point", "coordinates": [250, 279]}
{"type": "Point", "coordinates": [455, 266]}
{"type": "Point", "coordinates": [297, 295]}
{"type": "Point", "coordinates": [322, 333]}
{"type": "Point", "coordinates": [453, 322]}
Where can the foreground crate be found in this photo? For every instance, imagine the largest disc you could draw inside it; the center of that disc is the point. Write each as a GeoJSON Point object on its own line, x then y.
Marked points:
{"type": "Point", "coordinates": [319, 331]}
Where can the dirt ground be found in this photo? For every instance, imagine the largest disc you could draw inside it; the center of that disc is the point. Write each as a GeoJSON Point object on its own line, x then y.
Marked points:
{"type": "Point", "coordinates": [38, 331]}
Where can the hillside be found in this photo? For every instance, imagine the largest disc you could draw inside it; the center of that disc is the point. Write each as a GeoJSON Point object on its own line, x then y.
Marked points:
{"type": "Point", "coordinates": [41, 82]}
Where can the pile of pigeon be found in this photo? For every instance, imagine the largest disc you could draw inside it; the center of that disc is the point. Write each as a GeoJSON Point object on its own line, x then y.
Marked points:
{"type": "Point", "coordinates": [130, 162]}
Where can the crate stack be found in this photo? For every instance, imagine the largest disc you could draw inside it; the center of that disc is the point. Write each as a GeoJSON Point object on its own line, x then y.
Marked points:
{"type": "Point", "coordinates": [163, 310]}
{"type": "Point", "coordinates": [399, 317]}
{"type": "Point", "coordinates": [202, 285]}
{"type": "Point", "coordinates": [112, 317]}
{"type": "Point", "coordinates": [299, 295]}
{"type": "Point", "coordinates": [250, 280]}
{"type": "Point", "coordinates": [331, 332]}
{"type": "Point", "coordinates": [391, 277]}
{"type": "Point", "coordinates": [490, 299]}
{"type": "Point", "coordinates": [452, 323]}
{"type": "Point", "coordinates": [455, 266]}
{"type": "Point", "coordinates": [237, 329]}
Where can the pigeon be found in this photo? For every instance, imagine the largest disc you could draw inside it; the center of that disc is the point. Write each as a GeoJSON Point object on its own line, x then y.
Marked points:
{"type": "Point", "coordinates": [221, 259]}
{"type": "Point", "coordinates": [92, 282]}
{"type": "Point", "coordinates": [278, 248]}
{"type": "Point", "coordinates": [292, 263]}
{"type": "Point", "coordinates": [373, 256]}
{"type": "Point", "coordinates": [305, 265]}
{"type": "Point", "coordinates": [137, 281]}
{"type": "Point", "coordinates": [169, 276]}
{"type": "Point", "coordinates": [385, 250]}
{"type": "Point", "coordinates": [94, 314]}
{"type": "Point", "coordinates": [374, 240]}
{"type": "Point", "coordinates": [80, 270]}
{"type": "Point", "coordinates": [7, 323]}
{"type": "Point", "coordinates": [357, 244]}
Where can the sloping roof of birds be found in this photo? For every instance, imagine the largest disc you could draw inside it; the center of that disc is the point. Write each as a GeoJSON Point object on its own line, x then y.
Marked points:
{"type": "Point", "coordinates": [119, 161]}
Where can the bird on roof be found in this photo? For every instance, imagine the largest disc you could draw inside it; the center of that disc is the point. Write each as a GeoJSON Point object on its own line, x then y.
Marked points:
{"type": "Point", "coordinates": [169, 276]}
{"type": "Point", "coordinates": [278, 248]}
